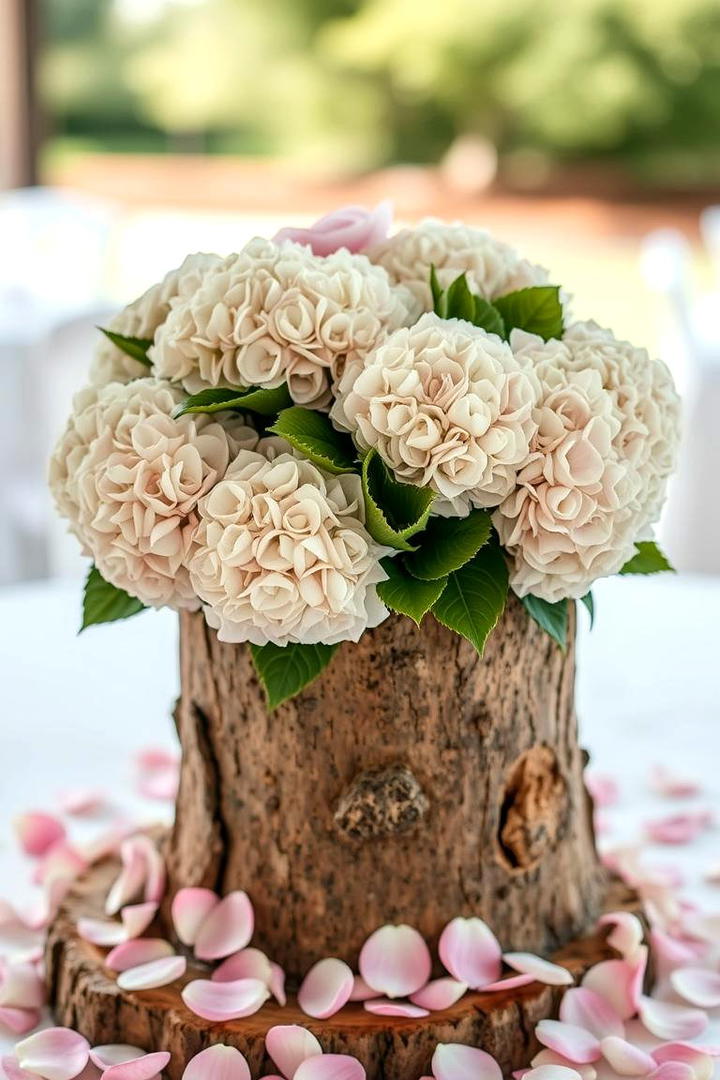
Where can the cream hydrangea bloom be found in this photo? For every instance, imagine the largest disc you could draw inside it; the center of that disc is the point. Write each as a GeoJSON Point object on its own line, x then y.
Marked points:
{"type": "Point", "coordinates": [594, 480]}
{"type": "Point", "coordinates": [493, 268]}
{"type": "Point", "coordinates": [143, 316]}
{"type": "Point", "coordinates": [128, 478]}
{"type": "Point", "coordinates": [282, 554]}
{"type": "Point", "coordinates": [278, 313]}
{"type": "Point", "coordinates": [447, 406]}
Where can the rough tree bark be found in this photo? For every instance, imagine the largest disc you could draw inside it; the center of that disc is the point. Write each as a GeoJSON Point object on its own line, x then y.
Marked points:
{"type": "Point", "coordinates": [412, 782]}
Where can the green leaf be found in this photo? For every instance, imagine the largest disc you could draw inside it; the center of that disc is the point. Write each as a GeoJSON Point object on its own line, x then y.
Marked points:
{"type": "Point", "coordinates": [648, 559]}
{"type": "Point", "coordinates": [487, 316]}
{"type": "Point", "coordinates": [406, 594]}
{"type": "Point", "coordinates": [394, 512]}
{"type": "Point", "coordinates": [536, 309]}
{"type": "Point", "coordinates": [285, 670]}
{"type": "Point", "coordinates": [104, 602]}
{"type": "Point", "coordinates": [438, 294]}
{"type": "Point", "coordinates": [220, 399]}
{"type": "Point", "coordinates": [448, 543]}
{"type": "Point", "coordinates": [132, 346]}
{"type": "Point", "coordinates": [314, 436]}
{"type": "Point", "coordinates": [459, 301]}
{"type": "Point", "coordinates": [552, 618]}
{"type": "Point", "coordinates": [589, 603]}
{"type": "Point", "coordinates": [474, 597]}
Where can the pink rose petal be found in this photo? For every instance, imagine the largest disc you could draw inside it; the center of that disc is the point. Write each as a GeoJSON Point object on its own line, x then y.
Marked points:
{"type": "Point", "coordinates": [326, 988]}
{"type": "Point", "coordinates": [604, 789]}
{"type": "Point", "coordinates": [700, 1062]}
{"type": "Point", "coordinates": [21, 986]}
{"type": "Point", "coordinates": [19, 1021]}
{"type": "Point", "coordinates": [160, 784]}
{"type": "Point", "coordinates": [81, 802]}
{"type": "Point", "coordinates": [289, 1045]}
{"type": "Point", "coordinates": [454, 1061]}
{"type": "Point", "coordinates": [246, 964]}
{"type": "Point", "coordinates": [108, 842]}
{"type": "Point", "coordinates": [55, 1053]}
{"type": "Point", "coordinates": [678, 828]}
{"type": "Point", "coordinates": [137, 917]}
{"type": "Point", "coordinates": [470, 952]}
{"type": "Point", "coordinates": [62, 861]}
{"type": "Point", "coordinates": [227, 929]}
{"type": "Point", "coordinates": [626, 935]}
{"type": "Point", "coordinates": [114, 1054]}
{"type": "Point", "coordinates": [146, 1067]}
{"type": "Point", "coordinates": [513, 982]}
{"type": "Point", "coordinates": [673, 1070]}
{"type": "Point", "coordinates": [574, 1043]}
{"type": "Point", "coordinates": [130, 954]}
{"type": "Point", "coordinates": [361, 991]}
{"type": "Point", "coordinates": [697, 985]}
{"type": "Point", "coordinates": [330, 1067]}
{"type": "Point", "coordinates": [11, 1069]}
{"type": "Point", "coordinates": [624, 1058]}
{"type": "Point", "coordinates": [153, 974]}
{"type": "Point", "coordinates": [101, 932]}
{"type": "Point", "coordinates": [352, 227]}
{"type": "Point", "coordinates": [552, 1072]}
{"type": "Point", "coordinates": [154, 869]}
{"type": "Point", "coordinates": [190, 909]}
{"type": "Point", "coordinates": [619, 982]}
{"type": "Point", "coordinates": [670, 953]}
{"type": "Point", "coordinates": [155, 757]}
{"type": "Point", "coordinates": [225, 1001]}
{"type": "Point", "coordinates": [542, 971]}
{"type": "Point", "coordinates": [395, 961]}
{"type": "Point", "coordinates": [673, 785]}
{"type": "Point", "coordinates": [589, 1010]}
{"type": "Point", "coordinates": [439, 994]}
{"type": "Point", "coordinates": [37, 832]}
{"type": "Point", "coordinates": [131, 879]}
{"type": "Point", "coordinates": [385, 1007]}
{"type": "Point", "coordinates": [669, 1021]}
{"type": "Point", "coordinates": [217, 1063]}
{"type": "Point", "coordinates": [276, 983]}
{"type": "Point", "coordinates": [549, 1057]}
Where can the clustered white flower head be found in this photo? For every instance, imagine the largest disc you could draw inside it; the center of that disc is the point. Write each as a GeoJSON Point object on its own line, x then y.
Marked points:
{"type": "Point", "coordinates": [447, 406]}
{"type": "Point", "coordinates": [143, 316]}
{"type": "Point", "coordinates": [594, 478]}
{"type": "Point", "coordinates": [128, 478]}
{"type": "Point", "coordinates": [282, 554]}
{"type": "Point", "coordinates": [493, 268]}
{"type": "Point", "coordinates": [276, 313]}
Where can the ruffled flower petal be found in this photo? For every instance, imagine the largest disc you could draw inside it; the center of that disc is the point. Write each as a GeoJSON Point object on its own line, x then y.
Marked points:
{"type": "Point", "coordinates": [470, 952]}
{"type": "Point", "coordinates": [395, 961]}
{"type": "Point", "coordinates": [589, 1010]}
{"type": "Point", "coordinates": [227, 929]}
{"type": "Point", "coordinates": [326, 988]}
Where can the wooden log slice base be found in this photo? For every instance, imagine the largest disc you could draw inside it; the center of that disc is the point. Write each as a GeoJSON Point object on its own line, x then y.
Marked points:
{"type": "Point", "coordinates": [85, 996]}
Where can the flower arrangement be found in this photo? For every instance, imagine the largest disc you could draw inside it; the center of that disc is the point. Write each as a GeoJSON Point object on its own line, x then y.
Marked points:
{"type": "Point", "coordinates": [337, 423]}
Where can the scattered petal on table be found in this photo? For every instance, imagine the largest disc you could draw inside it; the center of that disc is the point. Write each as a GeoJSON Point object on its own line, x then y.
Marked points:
{"type": "Point", "coordinates": [453, 1061]}
{"type": "Point", "coordinates": [161, 784]}
{"type": "Point", "coordinates": [18, 1020]}
{"type": "Point", "coordinates": [512, 982]}
{"type": "Point", "coordinates": [277, 983]}
{"type": "Point", "coordinates": [700, 1062]}
{"type": "Point", "coordinates": [604, 789]}
{"type": "Point", "coordinates": [137, 917]}
{"type": "Point", "coordinates": [21, 986]}
{"type": "Point", "coordinates": [101, 932]}
{"type": "Point", "coordinates": [218, 1062]}
{"type": "Point", "coordinates": [470, 952]}
{"type": "Point", "coordinates": [395, 961]}
{"type": "Point", "coordinates": [131, 879]}
{"type": "Point", "coordinates": [330, 1067]}
{"type": "Point", "coordinates": [574, 1043]}
{"type": "Point", "coordinates": [190, 908]}
{"type": "Point", "coordinates": [114, 1054]}
{"type": "Point", "coordinates": [669, 1021]}
{"type": "Point", "coordinates": [225, 1001]}
{"type": "Point", "coordinates": [673, 785]}
{"type": "Point", "coordinates": [626, 934]}
{"type": "Point", "coordinates": [679, 828]}
{"type": "Point", "coordinates": [587, 1009]}
{"type": "Point", "coordinates": [227, 929]}
{"type": "Point", "coordinates": [386, 1007]}
{"type": "Point", "coordinates": [542, 971]}
{"type": "Point", "coordinates": [361, 991]}
{"type": "Point", "coordinates": [37, 832]}
{"type": "Point", "coordinates": [146, 1067]}
{"type": "Point", "coordinates": [61, 861]}
{"type": "Point", "coordinates": [439, 994]}
{"type": "Point", "coordinates": [55, 1053]}
{"type": "Point", "coordinates": [289, 1045]}
{"type": "Point", "coordinates": [130, 954]}
{"type": "Point", "coordinates": [673, 1070]}
{"type": "Point", "coordinates": [624, 1058]}
{"type": "Point", "coordinates": [155, 973]}
{"type": "Point", "coordinates": [619, 982]}
{"type": "Point", "coordinates": [154, 889]}
{"type": "Point", "coordinates": [669, 953]}
{"type": "Point", "coordinates": [699, 986]}
{"type": "Point", "coordinates": [155, 757]}
{"type": "Point", "coordinates": [81, 802]}
{"type": "Point", "coordinates": [326, 988]}
{"type": "Point", "coordinates": [552, 1072]}
{"type": "Point", "coordinates": [245, 964]}
{"type": "Point", "coordinates": [549, 1057]}
{"type": "Point", "coordinates": [11, 1069]}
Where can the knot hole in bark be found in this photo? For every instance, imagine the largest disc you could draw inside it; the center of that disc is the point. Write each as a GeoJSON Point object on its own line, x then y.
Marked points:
{"type": "Point", "coordinates": [379, 801]}
{"type": "Point", "coordinates": [534, 809]}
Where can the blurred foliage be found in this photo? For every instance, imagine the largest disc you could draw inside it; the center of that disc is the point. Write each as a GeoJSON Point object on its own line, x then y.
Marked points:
{"type": "Point", "coordinates": [357, 83]}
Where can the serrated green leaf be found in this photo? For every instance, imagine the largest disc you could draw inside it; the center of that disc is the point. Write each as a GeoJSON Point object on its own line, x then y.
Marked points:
{"type": "Point", "coordinates": [648, 559]}
{"type": "Point", "coordinates": [286, 670]}
{"type": "Point", "coordinates": [589, 603]}
{"type": "Point", "coordinates": [487, 316]}
{"type": "Point", "coordinates": [536, 309]}
{"type": "Point", "coordinates": [221, 399]}
{"type": "Point", "coordinates": [438, 294]}
{"type": "Point", "coordinates": [448, 543]}
{"type": "Point", "coordinates": [459, 301]}
{"type": "Point", "coordinates": [394, 512]}
{"type": "Point", "coordinates": [131, 346]}
{"type": "Point", "coordinates": [314, 436]}
{"type": "Point", "coordinates": [405, 594]}
{"type": "Point", "coordinates": [103, 602]}
{"type": "Point", "coordinates": [474, 598]}
{"type": "Point", "coordinates": [552, 618]}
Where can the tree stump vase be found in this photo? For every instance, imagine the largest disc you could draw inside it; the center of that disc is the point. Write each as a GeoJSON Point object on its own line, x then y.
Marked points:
{"type": "Point", "coordinates": [412, 782]}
